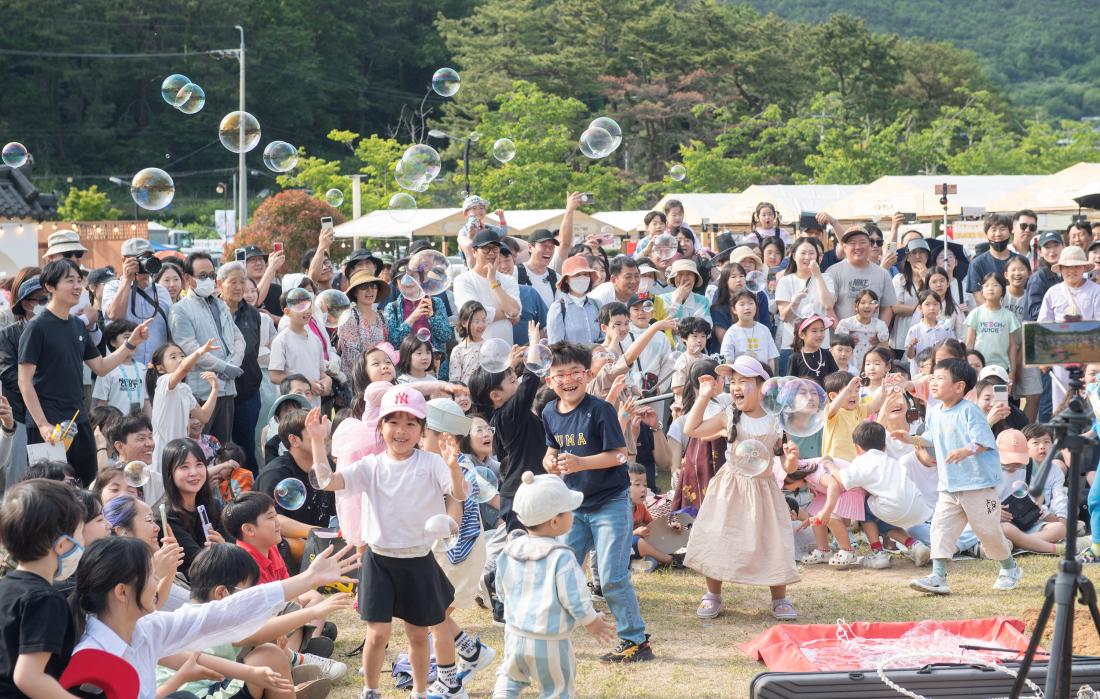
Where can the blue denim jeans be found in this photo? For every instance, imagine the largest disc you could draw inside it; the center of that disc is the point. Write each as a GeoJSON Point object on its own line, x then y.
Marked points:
{"type": "Point", "coordinates": [784, 362]}
{"type": "Point", "coordinates": [1046, 399]}
{"type": "Point", "coordinates": [609, 530]}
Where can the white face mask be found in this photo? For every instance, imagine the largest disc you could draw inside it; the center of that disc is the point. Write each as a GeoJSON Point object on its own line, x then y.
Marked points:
{"type": "Point", "coordinates": [204, 287]}
{"type": "Point", "coordinates": [68, 561]}
{"type": "Point", "coordinates": [39, 309]}
{"type": "Point", "coordinates": [644, 285]}
{"type": "Point", "coordinates": [579, 285]}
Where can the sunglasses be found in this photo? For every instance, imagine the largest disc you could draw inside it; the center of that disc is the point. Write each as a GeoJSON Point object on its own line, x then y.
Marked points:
{"type": "Point", "coordinates": [78, 254]}
{"type": "Point", "coordinates": [1029, 227]}
{"type": "Point", "coordinates": [877, 242]}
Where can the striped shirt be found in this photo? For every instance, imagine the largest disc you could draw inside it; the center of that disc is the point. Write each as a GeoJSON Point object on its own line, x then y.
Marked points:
{"type": "Point", "coordinates": [542, 587]}
{"type": "Point", "coordinates": [469, 529]}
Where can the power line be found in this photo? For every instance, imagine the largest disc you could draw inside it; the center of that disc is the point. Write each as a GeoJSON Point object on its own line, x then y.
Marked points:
{"type": "Point", "coordinates": [63, 54]}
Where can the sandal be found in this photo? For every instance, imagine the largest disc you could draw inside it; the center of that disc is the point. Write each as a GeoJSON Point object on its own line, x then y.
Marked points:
{"type": "Point", "coordinates": [844, 558]}
{"type": "Point", "coordinates": [783, 610]}
{"type": "Point", "coordinates": [710, 607]}
{"type": "Point", "coordinates": [815, 557]}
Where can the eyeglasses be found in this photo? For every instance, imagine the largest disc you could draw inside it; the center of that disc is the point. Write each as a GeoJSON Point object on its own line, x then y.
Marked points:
{"type": "Point", "coordinates": [206, 275]}
{"type": "Point", "coordinates": [73, 253]}
{"type": "Point", "coordinates": [483, 430]}
{"type": "Point", "coordinates": [573, 375]}
{"type": "Point", "coordinates": [1029, 227]}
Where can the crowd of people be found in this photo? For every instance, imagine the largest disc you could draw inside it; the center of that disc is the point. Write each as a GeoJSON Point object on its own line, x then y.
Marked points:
{"type": "Point", "coordinates": [179, 435]}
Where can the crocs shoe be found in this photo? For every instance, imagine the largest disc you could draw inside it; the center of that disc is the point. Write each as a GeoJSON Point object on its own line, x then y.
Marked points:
{"type": "Point", "coordinates": [815, 557]}
{"type": "Point", "coordinates": [710, 607]}
{"type": "Point", "coordinates": [843, 559]}
{"type": "Point", "coordinates": [1088, 556]}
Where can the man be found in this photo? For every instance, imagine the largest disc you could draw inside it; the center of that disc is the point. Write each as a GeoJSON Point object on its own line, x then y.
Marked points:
{"type": "Point", "coordinates": [28, 301]}
{"type": "Point", "coordinates": [246, 412]}
{"type": "Point", "coordinates": [263, 269]}
{"type": "Point", "coordinates": [317, 264]}
{"type": "Point", "coordinates": [132, 437]}
{"type": "Point", "coordinates": [1079, 233]}
{"type": "Point", "coordinates": [532, 307]}
{"type": "Point", "coordinates": [474, 209]}
{"type": "Point", "coordinates": [498, 293]}
{"type": "Point", "coordinates": [65, 244]}
{"type": "Point", "coordinates": [625, 277]}
{"type": "Point", "coordinates": [198, 317]}
{"type": "Point", "coordinates": [998, 229]}
{"type": "Point", "coordinates": [136, 298]}
{"type": "Point", "coordinates": [547, 253]}
{"type": "Point", "coordinates": [51, 350]}
{"type": "Point", "coordinates": [1025, 224]}
{"type": "Point", "coordinates": [855, 273]}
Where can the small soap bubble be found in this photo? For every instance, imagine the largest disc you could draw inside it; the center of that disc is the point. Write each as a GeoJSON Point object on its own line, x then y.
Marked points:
{"type": "Point", "coordinates": [424, 335]}
{"type": "Point", "coordinates": [431, 270]}
{"type": "Point", "coordinates": [665, 246]}
{"type": "Point", "coordinates": [446, 82]}
{"type": "Point", "coordinates": [190, 99]}
{"type": "Point", "coordinates": [751, 457]}
{"type": "Point", "coordinates": [290, 494]}
{"type": "Point", "coordinates": [334, 304]}
{"type": "Point", "coordinates": [537, 359]}
{"type": "Point", "coordinates": [596, 143]}
{"type": "Point", "coordinates": [15, 154]}
{"type": "Point", "coordinates": [677, 172]}
{"type": "Point", "coordinates": [280, 156]}
{"type": "Point", "coordinates": [495, 355]}
{"type": "Point", "coordinates": [647, 306]}
{"type": "Point", "coordinates": [299, 300]}
{"type": "Point", "coordinates": [486, 482]}
{"type": "Point", "coordinates": [170, 88]}
{"type": "Point", "coordinates": [504, 149]}
{"type": "Point", "coordinates": [1019, 489]}
{"type": "Point", "coordinates": [402, 207]}
{"type": "Point", "coordinates": [443, 531]}
{"type": "Point", "coordinates": [610, 126]}
{"type": "Point", "coordinates": [135, 474]}
{"type": "Point", "coordinates": [239, 132]}
{"type": "Point", "coordinates": [756, 281]}
{"type": "Point", "coordinates": [334, 197]}
{"type": "Point", "coordinates": [409, 287]}
{"type": "Point", "coordinates": [421, 163]}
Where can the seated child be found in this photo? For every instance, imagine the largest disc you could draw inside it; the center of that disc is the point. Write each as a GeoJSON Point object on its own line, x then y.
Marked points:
{"type": "Point", "coordinates": [1041, 527]}
{"type": "Point", "coordinates": [642, 518]}
{"type": "Point", "coordinates": [544, 593]}
{"type": "Point", "coordinates": [829, 496]}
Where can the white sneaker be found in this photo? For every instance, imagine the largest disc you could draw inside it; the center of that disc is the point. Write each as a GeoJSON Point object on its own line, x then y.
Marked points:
{"type": "Point", "coordinates": [815, 557]}
{"type": "Point", "coordinates": [920, 554]}
{"type": "Point", "coordinates": [877, 560]}
{"type": "Point", "coordinates": [1008, 578]}
{"type": "Point", "coordinates": [330, 669]}
{"type": "Point", "coordinates": [931, 583]}
{"type": "Point", "coordinates": [468, 668]}
{"type": "Point", "coordinates": [440, 690]}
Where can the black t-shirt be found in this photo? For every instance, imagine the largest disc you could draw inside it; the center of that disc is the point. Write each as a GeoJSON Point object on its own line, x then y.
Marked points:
{"type": "Point", "coordinates": [812, 365]}
{"type": "Point", "coordinates": [320, 505]}
{"type": "Point", "coordinates": [247, 320]}
{"type": "Point", "coordinates": [519, 441]}
{"type": "Point", "coordinates": [34, 618]}
{"type": "Point", "coordinates": [1016, 420]}
{"type": "Point", "coordinates": [187, 528]}
{"type": "Point", "coordinates": [9, 368]}
{"type": "Point", "coordinates": [58, 347]}
{"type": "Point", "coordinates": [589, 429]}
{"type": "Point", "coordinates": [271, 301]}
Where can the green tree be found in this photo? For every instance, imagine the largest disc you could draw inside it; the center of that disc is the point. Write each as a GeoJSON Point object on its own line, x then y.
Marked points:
{"type": "Point", "coordinates": [87, 205]}
{"type": "Point", "coordinates": [291, 218]}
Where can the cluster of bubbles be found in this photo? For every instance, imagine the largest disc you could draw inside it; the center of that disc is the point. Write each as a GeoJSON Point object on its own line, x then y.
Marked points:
{"type": "Point", "coordinates": [15, 154]}
{"type": "Point", "coordinates": [280, 156]}
{"type": "Point", "coordinates": [239, 132]}
{"type": "Point", "coordinates": [418, 167]}
{"type": "Point", "coordinates": [290, 494]}
{"type": "Point", "coordinates": [504, 149]}
{"type": "Point", "coordinates": [799, 403]}
{"type": "Point", "coordinates": [445, 82]}
{"type": "Point", "coordinates": [602, 138]}
{"type": "Point", "coordinates": [678, 172]}
{"type": "Point", "coordinates": [152, 189]}
{"type": "Point", "coordinates": [178, 91]}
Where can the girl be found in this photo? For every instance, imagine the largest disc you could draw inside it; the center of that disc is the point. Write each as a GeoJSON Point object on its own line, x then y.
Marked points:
{"type": "Point", "coordinates": [995, 331]}
{"type": "Point", "coordinates": [208, 442]}
{"type": "Point", "coordinates": [765, 224]}
{"type": "Point", "coordinates": [95, 525]}
{"type": "Point", "coordinates": [170, 277]}
{"type": "Point", "coordinates": [702, 458]}
{"type": "Point", "coordinates": [748, 510]}
{"type": "Point", "coordinates": [1030, 385]}
{"type": "Point", "coordinates": [470, 329]}
{"type": "Point", "coordinates": [186, 488]}
{"type": "Point", "coordinates": [415, 360]}
{"type": "Point", "coordinates": [808, 358]}
{"type": "Point", "coordinates": [476, 450]}
{"type": "Point", "coordinates": [109, 484]}
{"type": "Point", "coordinates": [173, 402]}
{"type": "Point", "coordinates": [406, 487]}
{"type": "Point", "coordinates": [364, 327]}
{"type": "Point", "coordinates": [952, 316]}
{"type": "Point", "coordinates": [831, 509]}
{"type": "Point", "coordinates": [865, 328]}
{"type": "Point", "coordinates": [927, 331]}
{"type": "Point", "coordinates": [128, 516]}
{"type": "Point", "coordinates": [907, 286]}
{"type": "Point", "coordinates": [773, 251]}
{"type": "Point", "coordinates": [801, 292]}
{"type": "Point", "coordinates": [876, 366]}
{"type": "Point", "coordinates": [730, 282]}
{"type": "Point", "coordinates": [747, 336]}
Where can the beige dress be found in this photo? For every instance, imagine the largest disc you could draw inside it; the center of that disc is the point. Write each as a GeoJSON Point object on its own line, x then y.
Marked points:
{"type": "Point", "coordinates": [743, 531]}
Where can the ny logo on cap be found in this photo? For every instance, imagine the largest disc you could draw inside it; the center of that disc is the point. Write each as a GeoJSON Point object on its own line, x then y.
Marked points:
{"type": "Point", "coordinates": [401, 398]}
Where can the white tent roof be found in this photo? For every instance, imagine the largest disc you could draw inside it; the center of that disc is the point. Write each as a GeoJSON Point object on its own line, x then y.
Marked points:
{"type": "Point", "coordinates": [916, 194]}
{"type": "Point", "coordinates": [1053, 193]}
{"type": "Point", "coordinates": [622, 221]}
{"type": "Point", "coordinates": [700, 206]}
{"type": "Point", "coordinates": [380, 224]}
{"type": "Point", "coordinates": [790, 200]}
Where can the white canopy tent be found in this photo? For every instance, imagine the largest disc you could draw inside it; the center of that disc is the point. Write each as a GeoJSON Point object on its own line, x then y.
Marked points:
{"type": "Point", "coordinates": [789, 200]}
{"type": "Point", "coordinates": [916, 194]}
{"type": "Point", "coordinates": [623, 222]}
{"type": "Point", "coordinates": [1051, 194]}
{"type": "Point", "coordinates": [713, 207]}
{"type": "Point", "coordinates": [381, 224]}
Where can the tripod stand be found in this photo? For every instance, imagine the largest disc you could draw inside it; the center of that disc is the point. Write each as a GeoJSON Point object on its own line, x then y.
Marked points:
{"type": "Point", "coordinates": [1063, 588]}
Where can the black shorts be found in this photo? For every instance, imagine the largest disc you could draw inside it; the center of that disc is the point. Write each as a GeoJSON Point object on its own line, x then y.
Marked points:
{"type": "Point", "coordinates": [414, 590]}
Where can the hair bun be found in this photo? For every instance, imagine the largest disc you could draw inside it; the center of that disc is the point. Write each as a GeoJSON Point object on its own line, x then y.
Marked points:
{"type": "Point", "coordinates": [528, 477]}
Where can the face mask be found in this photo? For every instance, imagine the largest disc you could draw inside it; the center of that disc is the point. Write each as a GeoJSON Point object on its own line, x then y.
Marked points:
{"type": "Point", "coordinates": [204, 287]}
{"type": "Point", "coordinates": [645, 285]}
{"type": "Point", "coordinates": [579, 285]}
{"type": "Point", "coordinates": [39, 310]}
{"type": "Point", "coordinates": [67, 562]}
{"type": "Point", "coordinates": [998, 245]}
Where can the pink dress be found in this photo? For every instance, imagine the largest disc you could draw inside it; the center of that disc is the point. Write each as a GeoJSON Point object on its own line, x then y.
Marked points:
{"type": "Point", "coordinates": [850, 503]}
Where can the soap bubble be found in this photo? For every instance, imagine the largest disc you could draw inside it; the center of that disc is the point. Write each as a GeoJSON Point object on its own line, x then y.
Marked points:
{"type": "Point", "coordinates": [443, 531]}
{"type": "Point", "coordinates": [15, 154]}
{"type": "Point", "coordinates": [290, 494]}
{"type": "Point", "coordinates": [445, 82]}
{"type": "Point", "coordinates": [647, 306]}
{"type": "Point", "coordinates": [135, 474]}
{"type": "Point", "coordinates": [334, 304]}
{"type": "Point", "coordinates": [334, 197]}
{"type": "Point", "coordinates": [430, 269]}
{"type": "Point", "coordinates": [495, 355]}
{"type": "Point", "coordinates": [751, 458]}
{"type": "Point", "coordinates": [280, 156]}
{"type": "Point", "coordinates": [504, 149]}
{"type": "Point", "coordinates": [770, 393]}
{"type": "Point", "coordinates": [596, 143]}
{"type": "Point", "coordinates": [190, 99]}
{"type": "Point", "coordinates": [421, 163]}
{"type": "Point", "coordinates": [409, 287]}
{"type": "Point", "coordinates": [756, 281]}
{"type": "Point", "coordinates": [635, 382]}
{"type": "Point", "coordinates": [678, 172]}
{"type": "Point", "coordinates": [299, 300]}
{"type": "Point", "coordinates": [152, 189]}
{"type": "Point", "coordinates": [537, 359]}
{"type": "Point", "coordinates": [665, 246]}
{"type": "Point", "coordinates": [610, 126]}
{"type": "Point", "coordinates": [1019, 489]}
{"type": "Point", "coordinates": [405, 180]}
{"type": "Point", "coordinates": [239, 132]}
{"type": "Point", "coordinates": [424, 335]}
{"type": "Point", "coordinates": [804, 405]}
{"type": "Point", "coordinates": [488, 485]}
{"type": "Point", "coordinates": [170, 89]}
{"type": "Point", "coordinates": [402, 207]}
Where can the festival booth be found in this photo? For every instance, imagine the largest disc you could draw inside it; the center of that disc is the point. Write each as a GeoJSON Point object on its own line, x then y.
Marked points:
{"type": "Point", "coordinates": [1052, 197]}
{"type": "Point", "coordinates": [916, 194]}
{"type": "Point", "coordinates": [523, 222]}
{"type": "Point", "coordinates": [790, 201]}
{"type": "Point", "coordinates": [629, 222]}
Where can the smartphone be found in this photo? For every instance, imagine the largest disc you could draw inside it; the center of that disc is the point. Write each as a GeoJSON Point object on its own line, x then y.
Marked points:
{"type": "Point", "coordinates": [164, 520]}
{"type": "Point", "coordinates": [909, 217]}
{"type": "Point", "coordinates": [891, 247]}
{"type": "Point", "coordinates": [326, 222]}
{"type": "Point", "coordinates": [1000, 394]}
{"type": "Point", "coordinates": [205, 519]}
{"type": "Point", "coordinates": [807, 221]}
{"type": "Point", "coordinates": [238, 255]}
{"type": "Point", "coordinates": [588, 198]}
{"type": "Point", "coordinates": [278, 247]}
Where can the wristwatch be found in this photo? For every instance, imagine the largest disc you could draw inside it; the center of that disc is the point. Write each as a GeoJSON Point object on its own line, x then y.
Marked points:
{"type": "Point", "coordinates": [130, 346]}
{"type": "Point", "coordinates": [494, 285]}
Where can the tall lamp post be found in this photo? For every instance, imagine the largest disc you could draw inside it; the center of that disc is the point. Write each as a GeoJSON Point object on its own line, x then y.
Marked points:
{"type": "Point", "coordinates": [472, 138]}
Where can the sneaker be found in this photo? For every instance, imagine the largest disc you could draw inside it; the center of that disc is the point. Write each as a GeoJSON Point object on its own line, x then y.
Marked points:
{"type": "Point", "coordinates": [330, 669]}
{"type": "Point", "coordinates": [876, 560]}
{"type": "Point", "coordinates": [321, 646]}
{"type": "Point", "coordinates": [498, 612]}
{"type": "Point", "coordinates": [300, 674]}
{"type": "Point", "coordinates": [597, 593]}
{"type": "Point", "coordinates": [314, 689]}
{"type": "Point", "coordinates": [370, 693]}
{"type": "Point", "coordinates": [931, 583]}
{"type": "Point", "coordinates": [484, 658]}
{"type": "Point", "coordinates": [1008, 578]}
{"type": "Point", "coordinates": [920, 554]}
{"type": "Point", "coordinates": [678, 558]}
{"type": "Point", "coordinates": [815, 557]}
{"type": "Point", "coordinates": [1088, 556]}
{"type": "Point", "coordinates": [843, 558]}
{"type": "Point", "coordinates": [647, 564]}
{"type": "Point", "coordinates": [440, 690]}
{"type": "Point", "coordinates": [629, 652]}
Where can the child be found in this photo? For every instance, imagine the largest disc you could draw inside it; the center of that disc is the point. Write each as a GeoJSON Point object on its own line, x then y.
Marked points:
{"type": "Point", "coordinates": [207, 442]}
{"type": "Point", "coordinates": [969, 476]}
{"type": "Point", "coordinates": [585, 445]}
{"type": "Point", "coordinates": [842, 347]}
{"type": "Point", "coordinates": [694, 333]}
{"type": "Point", "coordinates": [952, 315]}
{"type": "Point", "coordinates": [927, 332]}
{"type": "Point", "coordinates": [695, 461]}
{"type": "Point", "coordinates": [808, 359]}
{"type": "Point", "coordinates": [1049, 526]}
{"type": "Point", "coordinates": [818, 476]}
{"type": "Point", "coordinates": [845, 411]}
{"type": "Point", "coordinates": [544, 589]}
{"type": "Point", "coordinates": [298, 350]}
{"type": "Point", "coordinates": [470, 329]}
{"type": "Point", "coordinates": [865, 328]}
{"type": "Point", "coordinates": [749, 511]}
{"type": "Point", "coordinates": [993, 330]}
{"type": "Point", "coordinates": [124, 386]}
{"type": "Point", "coordinates": [642, 548]}
{"type": "Point", "coordinates": [747, 336]}
{"type": "Point", "coordinates": [174, 403]}
{"type": "Point", "coordinates": [405, 487]}
{"type": "Point", "coordinates": [415, 362]}
{"type": "Point", "coordinates": [1030, 384]}
{"type": "Point", "coordinates": [975, 359]}
{"type": "Point", "coordinates": [41, 525]}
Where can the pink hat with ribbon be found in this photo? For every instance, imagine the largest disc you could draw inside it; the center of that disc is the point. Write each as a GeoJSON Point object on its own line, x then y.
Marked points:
{"type": "Point", "coordinates": [389, 350]}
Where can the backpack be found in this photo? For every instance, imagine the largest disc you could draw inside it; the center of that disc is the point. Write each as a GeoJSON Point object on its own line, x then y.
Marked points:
{"type": "Point", "coordinates": [523, 278]}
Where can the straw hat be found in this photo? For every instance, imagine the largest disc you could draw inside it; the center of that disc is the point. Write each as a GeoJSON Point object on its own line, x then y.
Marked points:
{"type": "Point", "coordinates": [362, 278]}
{"type": "Point", "coordinates": [1072, 256]}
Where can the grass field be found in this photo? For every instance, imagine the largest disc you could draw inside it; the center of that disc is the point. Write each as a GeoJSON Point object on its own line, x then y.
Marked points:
{"type": "Point", "coordinates": [702, 659]}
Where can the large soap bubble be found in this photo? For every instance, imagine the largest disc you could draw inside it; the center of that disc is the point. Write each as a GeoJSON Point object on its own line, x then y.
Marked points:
{"type": "Point", "coordinates": [170, 89]}
{"type": "Point", "coordinates": [537, 359]}
{"type": "Point", "coordinates": [405, 180]}
{"type": "Point", "coordinates": [770, 393]}
{"type": "Point", "coordinates": [677, 172]}
{"type": "Point", "coordinates": [191, 99]}
{"type": "Point", "coordinates": [409, 288]}
{"type": "Point", "coordinates": [756, 281]}
{"type": "Point", "coordinates": [334, 304]}
{"type": "Point", "coordinates": [402, 207]}
{"type": "Point", "coordinates": [443, 531]}
{"type": "Point", "coordinates": [804, 406]}
{"type": "Point", "coordinates": [334, 197]}
{"type": "Point", "coordinates": [495, 355]}
{"type": "Point", "coordinates": [152, 189]}
{"type": "Point", "coordinates": [486, 482]}
{"type": "Point", "coordinates": [445, 82]}
{"type": "Point", "coordinates": [596, 143]}
{"type": "Point", "coordinates": [135, 474]}
{"type": "Point", "coordinates": [429, 268]}
{"type": "Point", "coordinates": [665, 246]}
{"type": "Point", "coordinates": [421, 163]}
{"type": "Point", "coordinates": [751, 458]}
{"type": "Point", "coordinates": [239, 132]}
{"type": "Point", "coordinates": [504, 149]}
{"type": "Point", "coordinates": [290, 494]}
{"type": "Point", "coordinates": [280, 156]}
{"type": "Point", "coordinates": [610, 126]}
{"type": "Point", "coordinates": [15, 154]}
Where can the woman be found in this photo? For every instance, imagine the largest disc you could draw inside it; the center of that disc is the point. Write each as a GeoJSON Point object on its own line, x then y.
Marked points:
{"type": "Point", "coordinates": [186, 488]}
{"type": "Point", "coordinates": [477, 452]}
{"type": "Point", "coordinates": [690, 251]}
{"type": "Point", "coordinates": [130, 517]}
{"type": "Point", "coordinates": [801, 292]}
{"type": "Point", "coordinates": [403, 317]}
{"type": "Point", "coordinates": [363, 328]}
{"type": "Point", "coordinates": [907, 284]}
{"type": "Point", "coordinates": [170, 277]}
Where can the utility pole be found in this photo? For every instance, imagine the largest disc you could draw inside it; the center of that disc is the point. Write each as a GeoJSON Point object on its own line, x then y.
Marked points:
{"type": "Point", "coordinates": [242, 206]}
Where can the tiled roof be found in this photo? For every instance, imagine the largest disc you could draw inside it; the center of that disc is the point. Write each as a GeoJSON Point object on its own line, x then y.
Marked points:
{"type": "Point", "coordinates": [20, 200]}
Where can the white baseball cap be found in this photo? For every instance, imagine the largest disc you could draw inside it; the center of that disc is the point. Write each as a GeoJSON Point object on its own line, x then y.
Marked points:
{"type": "Point", "coordinates": [444, 415]}
{"type": "Point", "coordinates": [541, 498]}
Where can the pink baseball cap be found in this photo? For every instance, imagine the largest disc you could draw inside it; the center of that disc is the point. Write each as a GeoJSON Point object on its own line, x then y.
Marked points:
{"type": "Point", "coordinates": [404, 399]}
{"type": "Point", "coordinates": [806, 322]}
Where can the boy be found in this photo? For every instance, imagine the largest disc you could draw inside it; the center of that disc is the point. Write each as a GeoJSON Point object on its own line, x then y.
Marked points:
{"type": "Point", "coordinates": [540, 620]}
{"type": "Point", "coordinates": [969, 477]}
{"type": "Point", "coordinates": [124, 386]}
{"type": "Point", "coordinates": [296, 350]}
{"type": "Point", "coordinates": [694, 332]}
{"type": "Point", "coordinates": [842, 348]}
{"type": "Point", "coordinates": [1018, 455]}
{"type": "Point", "coordinates": [41, 527]}
{"type": "Point", "coordinates": [642, 518]}
{"type": "Point", "coordinates": [845, 411]}
{"type": "Point", "coordinates": [585, 446]}
{"type": "Point", "coordinates": [273, 447]}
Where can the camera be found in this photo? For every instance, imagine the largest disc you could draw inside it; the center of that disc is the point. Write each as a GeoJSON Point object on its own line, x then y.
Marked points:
{"type": "Point", "coordinates": [148, 264]}
{"type": "Point", "coordinates": [588, 198]}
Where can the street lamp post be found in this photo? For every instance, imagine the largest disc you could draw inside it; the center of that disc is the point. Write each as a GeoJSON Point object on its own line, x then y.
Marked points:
{"type": "Point", "coordinates": [472, 138]}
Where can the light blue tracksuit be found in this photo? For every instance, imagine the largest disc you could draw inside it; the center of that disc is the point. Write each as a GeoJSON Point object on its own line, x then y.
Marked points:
{"type": "Point", "coordinates": [545, 594]}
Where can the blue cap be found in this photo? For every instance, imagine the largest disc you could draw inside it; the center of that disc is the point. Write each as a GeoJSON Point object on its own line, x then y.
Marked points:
{"type": "Point", "coordinates": [28, 287]}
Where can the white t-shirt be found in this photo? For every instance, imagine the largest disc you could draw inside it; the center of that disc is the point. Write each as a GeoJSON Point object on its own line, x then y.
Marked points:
{"type": "Point", "coordinates": [892, 496]}
{"type": "Point", "coordinates": [603, 294]}
{"type": "Point", "coordinates": [471, 286]}
{"type": "Point", "coordinates": [298, 353]}
{"type": "Point", "coordinates": [541, 284]}
{"type": "Point", "coordinates": [122, 388]}
{"type": "Point", "coordinates": [755, 341]}
{"type": "Point", "coordinates": [785, 289]}
{"type": "Point", "coordinates": [861, 334]}
{"type": "Point", "coordinates": [171, 412]}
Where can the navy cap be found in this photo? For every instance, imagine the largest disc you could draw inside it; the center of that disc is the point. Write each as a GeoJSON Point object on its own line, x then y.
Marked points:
{"type": "Point", "coordinates": [27, 288]}
{"type": "Point", "coordinates": [1051, 237]}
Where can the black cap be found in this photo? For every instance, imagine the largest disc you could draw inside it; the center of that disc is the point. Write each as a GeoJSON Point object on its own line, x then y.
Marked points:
{"type": "Point", "coordinates": [101, 275]}
{"type": "Point", "coordinates": [251, 251]}
{"type": "Point", "coordinates": [542, 234]}
{"type": "Point", "coordinates": [418, 246]}
{"type": "Point", "coordinates": [486, 237]}
{"type": "Point", "coordinates": [1050, 237]}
